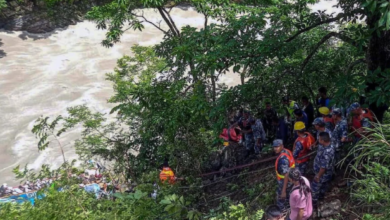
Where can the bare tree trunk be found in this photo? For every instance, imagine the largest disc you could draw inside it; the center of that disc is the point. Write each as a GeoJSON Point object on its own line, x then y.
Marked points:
{"type": "Point", "coordinates": [242, 75]}
{"type": "Point", "coordinates": [214, 88]}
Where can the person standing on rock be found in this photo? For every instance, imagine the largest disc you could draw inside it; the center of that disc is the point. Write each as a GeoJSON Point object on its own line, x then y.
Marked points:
{"type": "Point", "coordinates": [283, 163]}
{"type": "Point", "coordinates": [323, 167]}
{"type": "Point", "coordinates": [300, 196]}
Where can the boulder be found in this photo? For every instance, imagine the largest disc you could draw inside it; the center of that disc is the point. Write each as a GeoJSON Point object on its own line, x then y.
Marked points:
{"type": "Point", "coordinates": [331, 208]}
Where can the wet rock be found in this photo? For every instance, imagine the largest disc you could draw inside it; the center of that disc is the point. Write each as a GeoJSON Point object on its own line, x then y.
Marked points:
{"type": "Point", "coordinates": [13, 4]}
{"type": "Point", "coordinates": [329, 208]}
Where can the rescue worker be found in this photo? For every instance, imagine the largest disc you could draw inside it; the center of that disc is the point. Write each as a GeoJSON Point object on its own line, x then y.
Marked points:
{"type": "Point", "coordinates": [281, 129]}
{"type": "Point", "coordinates": [322, 98]}
{"type": "Point", "coordinates": [283, 163]}
{"type": "Point", "coordinates": [302, 146]}
{"type": "Point", "coordinates": [325, 114]}
{"type": "Point", "coordinates": [323, 167]}
{"type": "Point", "coordinates": [362, 118]}
{"type": "Point", "coordinates": [269, 113]}
{"type": "Point", "coordinates": [320, 126]}
{"type": "Point", "coordinates": [167, 174]}
{"type": "Point", "coordinates": [301, 116]}
{"type": "Point", "coordinates": [308, 109]}
{"type": "Point", "coordinates": [290, 107]}
{"type": "Point", "coordinates": [258, 135]}
{"type": "Point", "coordinates": [340, 133]}
{"type": "Point", "coordinates": [245, 123]}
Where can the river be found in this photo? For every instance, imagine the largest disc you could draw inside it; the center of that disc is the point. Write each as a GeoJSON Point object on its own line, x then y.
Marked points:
{"type": "Point", "coordinates": [47, 73]}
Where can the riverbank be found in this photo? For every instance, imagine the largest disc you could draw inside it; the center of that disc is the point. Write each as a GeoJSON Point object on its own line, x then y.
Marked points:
{"type": "Point", "coordinates": [38, 18]}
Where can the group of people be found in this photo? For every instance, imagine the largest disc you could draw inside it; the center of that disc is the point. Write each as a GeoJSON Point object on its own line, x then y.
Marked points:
{"type": "Point", "coordinates": [331, 131]}
{"type": "Point", "coordinates": [298, 135]}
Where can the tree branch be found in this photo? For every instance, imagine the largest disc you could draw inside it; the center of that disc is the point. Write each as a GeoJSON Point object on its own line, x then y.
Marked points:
{"type": "Point", "coordinates": [323, 40]}
{"type": "Point", "coordinates": [338, 17]}
{"type": "Point", "coordinates": [166, 20]}
{"type": "Point", "coordinates": [171, 20]}
{"type": "Point", "coordinates": [146, 20]}
{"type": "Point", "coordinates": [356, 62]}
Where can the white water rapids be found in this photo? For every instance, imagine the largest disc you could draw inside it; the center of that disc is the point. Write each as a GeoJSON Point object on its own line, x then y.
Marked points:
{"type": "Point", "coordinates": [46, 74]}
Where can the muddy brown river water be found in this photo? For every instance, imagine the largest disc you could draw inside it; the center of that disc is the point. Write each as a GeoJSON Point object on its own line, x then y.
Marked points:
{"type": "Point", "coordinates": [45, 74]}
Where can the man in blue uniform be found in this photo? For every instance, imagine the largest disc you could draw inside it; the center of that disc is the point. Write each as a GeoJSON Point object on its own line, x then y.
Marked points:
{"type": "Point", "coordinates": [245, 123]}
{"type": "Point", "coordinates": [320, 126]}
{"type": "Point", "coordinates": [323, 167]}
{"type": "Point", "coordinates": [283, 163]}
{"type": "Point", "coordinates": [340, 132]}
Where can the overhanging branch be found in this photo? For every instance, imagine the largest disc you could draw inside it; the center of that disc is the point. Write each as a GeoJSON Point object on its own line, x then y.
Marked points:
{"type": "Point", "coordinates": [338, 17]}
{"type": "Point", "coordinates": [160, 10]}
{"type": "Point", "coordinates": [356, 62]}
{"type": "Point", "coordinates": [172, 21]}
{"type": "Point", "coordinates": [323, 40]}
{"type": "Point", "coordinates": [146, 20]}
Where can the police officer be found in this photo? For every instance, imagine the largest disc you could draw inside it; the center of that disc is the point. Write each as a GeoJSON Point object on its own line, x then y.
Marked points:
{"type": "Point", "coordinates": [283, 163]}
{"type": "Point", "coordinates": [340, 132]}
{"type": "Point", "coordinates": [259, 135]}
{"type": "Point", "coordinates": [245, 123]}
{"type": "Point", "coordinates": [320, 126]}
{"type": "Point", "coordinates": [323, 167]}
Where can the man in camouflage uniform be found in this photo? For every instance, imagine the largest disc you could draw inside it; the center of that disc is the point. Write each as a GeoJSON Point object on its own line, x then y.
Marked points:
{"type": "Point", "coordinates": [245, 123]}
{"type": "Point", "coordinates": [323, 167]}
{"type": "Point", "coordinates": [258, 135]}
{"type": "Point", "coordinates": [320, 126]}
{"type": "Point", "coordinates": [283, 163]}
{"type": "Point", "coordinates": [340, 132]}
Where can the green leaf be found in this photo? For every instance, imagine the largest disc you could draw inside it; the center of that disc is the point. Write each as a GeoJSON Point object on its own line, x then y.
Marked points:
{"type": "Point", "coordinates": [388, 21]}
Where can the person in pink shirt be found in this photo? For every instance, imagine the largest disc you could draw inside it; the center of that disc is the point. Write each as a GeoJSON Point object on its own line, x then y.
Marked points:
{"type": "Point", "coordinates": [300, 196]}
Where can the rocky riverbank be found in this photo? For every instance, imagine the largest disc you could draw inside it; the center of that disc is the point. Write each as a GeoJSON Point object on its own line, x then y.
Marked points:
{"type": "Point", "coordinates": [38, 17]}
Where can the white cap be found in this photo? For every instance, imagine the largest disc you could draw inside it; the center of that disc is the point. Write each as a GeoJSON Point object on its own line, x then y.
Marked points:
{"type": "Point", "coordinates": [5, 184]}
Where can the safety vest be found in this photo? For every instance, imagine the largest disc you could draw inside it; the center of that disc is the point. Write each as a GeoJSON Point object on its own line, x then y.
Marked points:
{"type": "Point", "coordinates": [328, 119]}
{"type": "Point", "coordinates": [291, 109]}
{"type": "Point", "coordinates": [357, 120]}
{"type": "Point", "coordinates": [167, 174]}
{"type": "Point", "coordinates": [306, 142]}
{"type": "Point", "coordinates": [291, 164]}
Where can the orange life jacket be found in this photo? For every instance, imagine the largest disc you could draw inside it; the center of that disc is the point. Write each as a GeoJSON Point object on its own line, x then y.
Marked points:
{"type": "Point", "coordinates": [328, 119]}
{"type": "Point", "coordinates": [357, 120]}
{"type": "Point", "coordinates": [307, 143]}
{"type": "Point", "coordinates": [167, 174]}
{"type": "Point", "coordinates": [291, 160]}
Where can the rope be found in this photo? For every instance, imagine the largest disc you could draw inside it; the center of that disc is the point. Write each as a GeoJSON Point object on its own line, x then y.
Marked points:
{"type": "Point", "coordinates": [239, 167]}
{"type": "Point", "coordinates": [251, 164]}
{"type": "Point", "coordinates": [221, 180]}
